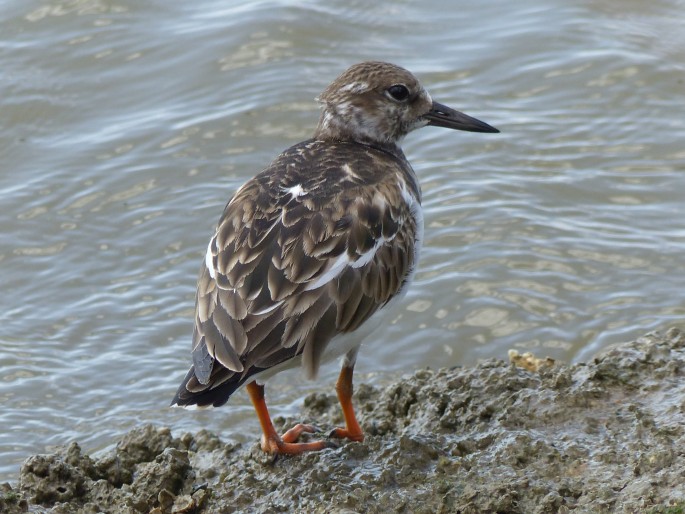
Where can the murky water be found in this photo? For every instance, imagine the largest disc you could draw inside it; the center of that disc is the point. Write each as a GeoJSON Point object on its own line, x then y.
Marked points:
{"type": "Point", "coordinates": [125, 126]}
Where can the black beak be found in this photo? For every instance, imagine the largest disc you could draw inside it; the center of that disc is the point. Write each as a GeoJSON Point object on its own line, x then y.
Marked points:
{"type": "Point", "coordinates": [443, 116]}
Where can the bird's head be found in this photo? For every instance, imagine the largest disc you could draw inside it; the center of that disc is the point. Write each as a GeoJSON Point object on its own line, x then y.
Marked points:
{"type": "Point", "coordinates": [380, 103]}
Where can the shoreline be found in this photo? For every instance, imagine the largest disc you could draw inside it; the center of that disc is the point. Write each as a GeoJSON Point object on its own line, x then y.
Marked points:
{"type": "Point", "coordinates": [602, 436]}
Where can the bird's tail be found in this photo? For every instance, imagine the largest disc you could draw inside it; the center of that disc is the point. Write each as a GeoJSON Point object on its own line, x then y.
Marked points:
{"type": "Point", "coordinates": [192, 394]}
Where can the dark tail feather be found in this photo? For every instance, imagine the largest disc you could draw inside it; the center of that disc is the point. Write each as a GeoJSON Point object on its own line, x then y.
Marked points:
{"type": "Point", "coordinates": [210, 395]}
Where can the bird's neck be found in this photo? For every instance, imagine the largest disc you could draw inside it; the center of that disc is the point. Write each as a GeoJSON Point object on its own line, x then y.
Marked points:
{"type": "Point", "coordinates": [335, 128]}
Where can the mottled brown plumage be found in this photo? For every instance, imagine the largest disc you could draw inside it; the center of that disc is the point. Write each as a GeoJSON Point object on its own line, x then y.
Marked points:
{"type": "Point", "coordinates": [313, 247]}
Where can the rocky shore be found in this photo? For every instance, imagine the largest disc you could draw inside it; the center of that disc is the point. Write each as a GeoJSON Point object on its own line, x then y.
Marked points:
{"type": "Point", "coordinates": [604, 436]}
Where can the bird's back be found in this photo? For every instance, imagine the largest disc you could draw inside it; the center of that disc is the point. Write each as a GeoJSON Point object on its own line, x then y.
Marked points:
{"type": "Point", "coordinates": [307, 250]}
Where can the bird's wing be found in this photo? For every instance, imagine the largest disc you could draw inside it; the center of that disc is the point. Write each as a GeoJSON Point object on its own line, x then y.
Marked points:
{"type": "Point", "coordinates": [289, 267]}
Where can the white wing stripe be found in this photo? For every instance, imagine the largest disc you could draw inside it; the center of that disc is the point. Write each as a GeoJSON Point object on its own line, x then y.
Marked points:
{"type": "Point", "coordinates": [367, 256]}
{"type": "Point", "coordinates": [340, 264]}
{"type": "Point", "coordinates": [209, 259]}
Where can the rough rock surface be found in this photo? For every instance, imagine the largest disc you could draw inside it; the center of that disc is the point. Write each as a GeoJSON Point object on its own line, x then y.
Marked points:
{"type": "Point", "coordinates": [606, 436]}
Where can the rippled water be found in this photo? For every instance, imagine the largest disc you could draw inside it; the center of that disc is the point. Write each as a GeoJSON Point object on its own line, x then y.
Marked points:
{"type": "Point", "coordinates": [125, 126]}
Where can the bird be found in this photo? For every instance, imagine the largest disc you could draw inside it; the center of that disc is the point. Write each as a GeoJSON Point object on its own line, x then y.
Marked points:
{"type": "Point", "coordinates": [311, 254]}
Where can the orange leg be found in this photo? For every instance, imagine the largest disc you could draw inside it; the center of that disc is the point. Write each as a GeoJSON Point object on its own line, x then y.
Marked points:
{"type": "Point", "coordinates": [275, 444]}
{"type": "Point", "coordinates": [271, 441]}
{"type": "Point", "coordinates": [343, 387]}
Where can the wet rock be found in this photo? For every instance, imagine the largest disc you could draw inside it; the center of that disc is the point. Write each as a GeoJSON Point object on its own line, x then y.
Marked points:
{"type": "Point", "coordinates": [132, 478]}
{"type": "Point", "coordinates": [605, 436]}
{"type": "Point", "coordinates": [142, 444]}
{"type": "Point", "coordinates": [11, 501]}
{"type": "Point", "coordinates": [166, 473]}
{"type": "Point", "coordinates": [60, 477]}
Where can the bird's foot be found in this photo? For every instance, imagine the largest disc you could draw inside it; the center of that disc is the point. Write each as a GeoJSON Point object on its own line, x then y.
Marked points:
{"type": "Point", "coordinates": [345, 433]}
{"type": "Point", "coordinates": [292, 435]}
{"type": "Point", "coordinates": [288, 445]}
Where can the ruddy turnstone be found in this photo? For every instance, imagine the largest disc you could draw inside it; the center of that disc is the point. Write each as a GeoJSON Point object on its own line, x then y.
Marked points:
{"type": "Point", "coordinates": [311, 252]}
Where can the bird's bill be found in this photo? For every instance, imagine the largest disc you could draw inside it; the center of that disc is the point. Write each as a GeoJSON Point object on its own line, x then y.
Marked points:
{"type": "Point", "coordinates": [443, 116]}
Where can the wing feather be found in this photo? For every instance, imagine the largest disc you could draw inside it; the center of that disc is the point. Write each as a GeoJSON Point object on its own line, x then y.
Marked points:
{"type": "Point", "coordinates": [286, 272]}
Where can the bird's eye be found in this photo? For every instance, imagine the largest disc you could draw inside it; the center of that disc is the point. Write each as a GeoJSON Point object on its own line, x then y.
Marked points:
{"type": "Point", "coordinates": [398, 92]}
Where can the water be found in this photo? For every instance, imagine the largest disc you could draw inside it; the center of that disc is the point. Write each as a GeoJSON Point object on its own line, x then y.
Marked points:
{"type": "Point", "coordinates": [125, 126]}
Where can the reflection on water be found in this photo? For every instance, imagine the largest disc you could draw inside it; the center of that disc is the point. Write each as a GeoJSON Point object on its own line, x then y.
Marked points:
{"type": "Point", "coordinates": [126, 127]}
